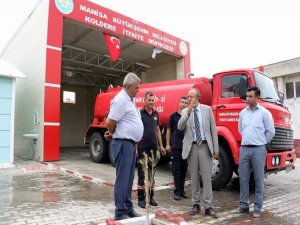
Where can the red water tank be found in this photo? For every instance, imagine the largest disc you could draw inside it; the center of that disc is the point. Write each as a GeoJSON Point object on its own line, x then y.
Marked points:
{"type": "Point", "coordinates": [166, 94]}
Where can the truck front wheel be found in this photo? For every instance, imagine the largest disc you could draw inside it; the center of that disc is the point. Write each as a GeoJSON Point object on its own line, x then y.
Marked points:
{"type": "Point", "coordinates": [98, 148]}
{"type": "Point", "coordinates": [222, 170]}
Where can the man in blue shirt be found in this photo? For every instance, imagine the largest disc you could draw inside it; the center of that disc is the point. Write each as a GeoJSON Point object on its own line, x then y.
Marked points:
{"type": "Point", "coordinates": [257, 129]}
{"type": "Point", "coordinates": [125, 128]}
{"type": "Point", "coordinates": [174, 139]}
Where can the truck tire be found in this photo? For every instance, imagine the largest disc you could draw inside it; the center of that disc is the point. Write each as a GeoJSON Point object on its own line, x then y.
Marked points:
{"type": "Point", "coordinates": [222, 170]}
{"type": "Point", "coordinates": [111, 158]}
{"type": "Point", "coordinates": [98, 148]}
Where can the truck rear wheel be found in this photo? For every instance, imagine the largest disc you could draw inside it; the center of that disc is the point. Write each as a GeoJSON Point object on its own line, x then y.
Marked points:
{"type": "Point", "coordinates": [222, 170]}
{"type": "Point", "coordinates": [98, 148]}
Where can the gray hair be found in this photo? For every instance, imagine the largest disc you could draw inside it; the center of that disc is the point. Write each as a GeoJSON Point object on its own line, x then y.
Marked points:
{"type": "Point", "coordinates": [197, 92]}
{"type": "Point", "coordinates": [131, 79]}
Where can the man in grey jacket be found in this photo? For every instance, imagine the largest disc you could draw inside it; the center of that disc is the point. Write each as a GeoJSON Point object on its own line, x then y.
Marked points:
{"type": "Point", "coordinates": [200, 146]}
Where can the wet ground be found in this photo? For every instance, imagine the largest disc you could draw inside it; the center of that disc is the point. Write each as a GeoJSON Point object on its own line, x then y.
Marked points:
{"type": "Point", "coordinates": [33, 193]}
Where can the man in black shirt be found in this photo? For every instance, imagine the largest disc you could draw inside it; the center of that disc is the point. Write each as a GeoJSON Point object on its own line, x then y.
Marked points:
{"type": "Point", "coordinates": [174, 145]}
{"type": "Point", "coordinates": [151, 136]}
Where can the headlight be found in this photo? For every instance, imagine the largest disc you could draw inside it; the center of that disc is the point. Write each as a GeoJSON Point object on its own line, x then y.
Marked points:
{"type": "Point", "coordinates": [275, 160]}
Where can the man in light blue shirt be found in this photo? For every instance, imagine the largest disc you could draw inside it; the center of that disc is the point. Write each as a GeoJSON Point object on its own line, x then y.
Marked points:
{"type": "Point", "coordinates": [125, 127]}
{"type": "Point", "coordinates": [257, 129]}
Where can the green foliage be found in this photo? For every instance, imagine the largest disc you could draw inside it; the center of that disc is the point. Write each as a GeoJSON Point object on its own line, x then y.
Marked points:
{"type": "Point", "coordinates": [152, 162]}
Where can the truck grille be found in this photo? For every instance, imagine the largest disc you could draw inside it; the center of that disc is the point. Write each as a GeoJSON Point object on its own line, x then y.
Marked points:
{"type": "Point", "coordinates": [283, 139]}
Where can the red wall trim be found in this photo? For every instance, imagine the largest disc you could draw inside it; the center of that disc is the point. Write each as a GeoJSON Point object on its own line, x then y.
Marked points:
{"type": "Point", "coordinates": [53, 76]}
{"type": "Point", "coordinates": [53, 66]}
{"type": "Point", "coordinates": [51, 143]}
{"type": "Point", "coordinates": [52, 104]}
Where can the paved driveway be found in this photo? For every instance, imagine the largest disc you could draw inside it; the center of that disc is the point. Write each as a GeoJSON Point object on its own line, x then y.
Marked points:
{"type": "Point", "coordinates": [33, 193]}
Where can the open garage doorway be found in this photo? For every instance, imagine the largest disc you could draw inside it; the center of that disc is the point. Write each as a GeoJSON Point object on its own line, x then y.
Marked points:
{"type": "Point", "coordinates": [88, 70]}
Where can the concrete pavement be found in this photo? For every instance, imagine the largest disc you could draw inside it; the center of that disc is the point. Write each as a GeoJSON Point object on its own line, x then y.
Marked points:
{"type": "Point", "coordinates": [34, 193]}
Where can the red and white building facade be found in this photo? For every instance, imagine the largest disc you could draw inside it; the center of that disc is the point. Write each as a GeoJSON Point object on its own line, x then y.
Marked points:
{"type": "Point", "coordinates": [37, 50]}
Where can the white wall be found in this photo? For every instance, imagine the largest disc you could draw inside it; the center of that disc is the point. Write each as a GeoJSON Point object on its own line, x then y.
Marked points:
{"type": "Point", "coordinates": [27, 51]}
{"type": "Point", "coordinates": [160, 73]}
{"type": "Point", "coordinates": [75, 118]}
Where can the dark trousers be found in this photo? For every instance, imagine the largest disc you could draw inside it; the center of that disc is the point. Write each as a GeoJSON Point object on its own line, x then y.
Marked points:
{"type": "Point", "coordinates": [124, 154]}
{"type": "Point", "coordinates": [179, 169]}
{"type": "Point", "coordinates": [141, 175]}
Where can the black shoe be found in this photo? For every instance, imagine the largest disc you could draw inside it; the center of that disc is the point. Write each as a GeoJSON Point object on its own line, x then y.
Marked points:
{"type": "Point", "coordinates": [242, 211]}
{"type": "Point", "coordinates": [142, 204]}
{"type": "Point", "coordinates": [121, 217]}
{"type": "Point", "coordinates": [184, 195]}
{"type": "Point", "coordinates": [177, 197]}
{"type": "Point", "coordinates": [153, 202]}
{"type": "Point", "coordinates": [133, 213]}
{"type": "Point", "coordinates": [195, 210]}
{"type": "Point", "coordinates": [210, 212]}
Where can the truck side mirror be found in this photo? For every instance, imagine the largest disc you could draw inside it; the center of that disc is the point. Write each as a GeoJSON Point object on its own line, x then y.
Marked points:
{"type": "Point", "coordinates": [243, 86]}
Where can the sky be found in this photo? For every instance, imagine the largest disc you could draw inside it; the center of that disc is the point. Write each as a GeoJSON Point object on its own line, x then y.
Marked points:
{"type": "Point", "coordinates": [222, 34]}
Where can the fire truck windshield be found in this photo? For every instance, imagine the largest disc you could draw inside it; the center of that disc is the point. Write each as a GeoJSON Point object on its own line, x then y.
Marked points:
{"type": "Point", "coordinates": [268, 89]}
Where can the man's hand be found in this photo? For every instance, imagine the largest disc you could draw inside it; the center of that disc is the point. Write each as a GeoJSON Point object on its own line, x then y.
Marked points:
{"type": "Point", "coordinates": [162, 150]}
{"type": "Point", "coordinates": [168, 148]}
{"type": "Point", "coordinates": [107, 135]}
{"type": "Point", "coordinates": [216, 155]}
{"type": "Point", "coordinates": [192, 105]}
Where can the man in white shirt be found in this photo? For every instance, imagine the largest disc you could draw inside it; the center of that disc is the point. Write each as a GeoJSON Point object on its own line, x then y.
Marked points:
{"type": "Point", "coordinates": [125, 127]}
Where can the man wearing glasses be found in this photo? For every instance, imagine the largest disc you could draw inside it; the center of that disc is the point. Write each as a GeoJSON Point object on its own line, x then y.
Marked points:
{"type": "Point", "coordinates": [200, 146]}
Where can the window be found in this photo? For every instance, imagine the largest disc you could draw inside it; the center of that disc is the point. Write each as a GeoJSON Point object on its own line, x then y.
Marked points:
{"type": "Point", "coordinates": [69, 97]}
{"type": "Point", "coordinates": [267, 87]}
{"type": "Point", "coordinates": [292, 89]}
{"type": "Point", "coordinates": [230, 86]}
{"type": "Point", "coordinates": [297, 84]}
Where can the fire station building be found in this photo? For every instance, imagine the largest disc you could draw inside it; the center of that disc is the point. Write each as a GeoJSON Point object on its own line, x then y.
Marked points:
{"type": "Point", "coordinates": [286, 75]}
{"type": "Point", "coordinates": [62, 50]}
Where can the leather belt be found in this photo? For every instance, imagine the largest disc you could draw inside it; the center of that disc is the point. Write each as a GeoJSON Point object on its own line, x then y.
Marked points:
{"type": "Point", "coordinates": [125, 139]}
{"type": "Point", "coordinates": [251, 146]}
{"type": "Point", "coordinates": [203, 142]}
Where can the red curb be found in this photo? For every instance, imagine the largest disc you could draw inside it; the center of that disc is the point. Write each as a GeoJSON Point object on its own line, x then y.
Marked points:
{"type": "Point", "coordinates": [87, 177]}
{"type": "Point", "coordinates": [159, 213]}
{"type": "Point", "coordinates": [183, 215]}
{"type": "Point", "coordinates": [108, 183]}
{"type": "Point", "coordinates": [178, 220]}
{"type": "Point", "coordinates": [117, 223]}
{"type": "Point", "coordinates": [109, 221]}
{"type": "Point", "coordinates": [69, 171]}
{"type": "Point", "coordinates": [170, 217]}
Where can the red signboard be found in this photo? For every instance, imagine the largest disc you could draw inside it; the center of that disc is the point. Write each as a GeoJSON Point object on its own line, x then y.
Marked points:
{"type": "Point", "coordinates": [115, 23]}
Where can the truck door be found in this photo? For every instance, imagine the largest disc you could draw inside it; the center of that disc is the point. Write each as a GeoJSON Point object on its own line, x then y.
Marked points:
{"type": "Point", "coordinates": [229, 103]}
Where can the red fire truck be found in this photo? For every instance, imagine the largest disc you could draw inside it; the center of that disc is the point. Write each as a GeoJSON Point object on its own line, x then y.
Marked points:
{"type": "Point", "coordinates": [225, 93]}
